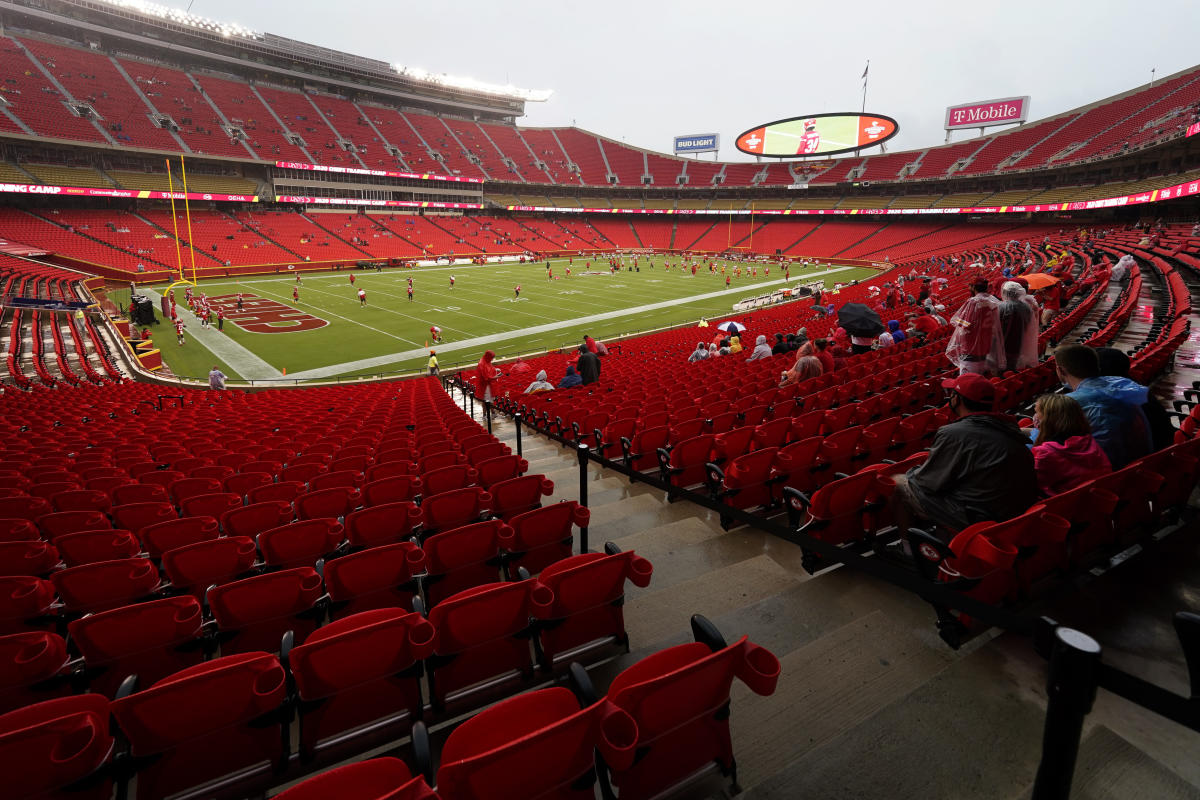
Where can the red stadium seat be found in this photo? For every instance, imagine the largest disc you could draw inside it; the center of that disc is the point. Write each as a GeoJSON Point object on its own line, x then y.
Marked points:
{"type": "Point", "coordinates": [453, 509]}
{"type": "Point", "coordinates": [678, 699]}
{"type": "Point", "coordinates": [62, 744]}
{"type": "Point", "coordinates": [517, 495]}
{"type": "Point", "coordinates": [464, 557]}
{"type": "Point", "coordinates": [396, 489]}
{"type": "Point", "coordinates": [544, 535]}
{"type": "Point", "coordinates": [89, 547]}
{"type": "Point", "coordinates": [253, 519]}
{"type": "Point", "coordinates": [214, 719]}
{"type": "Point", "coordinates": [193, 487]}
{"type": "Point", "coordinates": [335, 502]}
{"type": "Point", "coordinates": [377, 778]}
{"type": "Point", "coordinates": [381, 577]}
{"type": "Point", "coordinates": [254, 613]}
{"type": "Point", "coordinates": [130, 493]}
{"type": "Point", "coordinates": [26, 603]}
{"type": "Point", "coordinates": [211, 505]}
{"type": "Point", "coordinates": [136, 516]}
{"type": "Point", "coordinates": [300, 543]}
{"type": "Point", "coordinates": [589, 593]}
{"type": "Point", "coordinates": [382, 524]}
{"type": "Point", "coordinates": [36, 557]}
{"type": "Point", "coordinates": [361, 671]}
{"type": "Point", "coordinates": [17, 530]}
{"type": "Point", "coordinates": [32, 669]}
{"type": "Point", "coordinates": [501, 468]}
{"type": "Point", "coordinates": [208, 562]}
{"type": "Point", "coordinates": [287, 491]}
{"type": "Point", "coordinates": [483, 635]}
{"type": "Point", "coordinates": [81, 500]}
{"type": "Point", "coordinates": [150, 640]}
{"type": "Point", "coordinates": [105, 584]}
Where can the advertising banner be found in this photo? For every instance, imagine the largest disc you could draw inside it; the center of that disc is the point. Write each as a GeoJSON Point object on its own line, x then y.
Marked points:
{"type": "Point", "coordinates": [379, 173]}
{"type": "Point", "coordinates": [135, 194]}
{"type": "Point", "coordinates": [988, 113]}
{"type": "Point", "coordinates": [1192, 130]}
{"type": "Point", "coordinates": [355, 201]}
{"type": "Point", "coordinates": [698, 143]}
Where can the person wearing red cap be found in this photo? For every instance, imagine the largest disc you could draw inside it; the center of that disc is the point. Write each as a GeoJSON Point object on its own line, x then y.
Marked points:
{"type": "Point", "coordinates": [979, 467]}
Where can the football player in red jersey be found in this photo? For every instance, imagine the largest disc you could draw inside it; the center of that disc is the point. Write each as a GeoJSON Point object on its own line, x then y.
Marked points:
{"type": "Point", "coordinates": [811, 139]}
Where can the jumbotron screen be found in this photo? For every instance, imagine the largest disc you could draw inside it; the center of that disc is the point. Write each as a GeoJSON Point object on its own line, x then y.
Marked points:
{"type": "Point", "coordinates": [817, 134]}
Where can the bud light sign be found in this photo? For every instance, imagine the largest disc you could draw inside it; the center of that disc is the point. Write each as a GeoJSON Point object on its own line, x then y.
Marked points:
{"type": "Point", "coordinates": [698, 143]}
{"type": "Point", "coordinates": [988, 113]}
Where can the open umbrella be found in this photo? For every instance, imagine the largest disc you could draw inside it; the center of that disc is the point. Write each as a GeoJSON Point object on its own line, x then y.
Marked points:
{"type": "Point", "coordinates": [731, 327]}
{"type": "Point", "coordinates": [1040, 280]}
{"type": "Point", "coordinates": [859, 320]}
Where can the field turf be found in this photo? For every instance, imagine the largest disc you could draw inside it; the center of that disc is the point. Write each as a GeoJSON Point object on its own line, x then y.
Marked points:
{"type": "Point", "coordinates": [391, 334]}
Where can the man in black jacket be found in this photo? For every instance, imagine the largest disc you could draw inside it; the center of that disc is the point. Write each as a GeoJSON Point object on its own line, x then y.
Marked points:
{"type": "Point", "coordinates": [979, 467]}
{"type": "Point", "coordinates": [588, 366]}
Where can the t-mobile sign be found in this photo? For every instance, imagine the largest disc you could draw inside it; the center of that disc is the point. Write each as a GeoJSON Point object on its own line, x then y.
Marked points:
{"type": "Point", "coordinates": [990, 112]}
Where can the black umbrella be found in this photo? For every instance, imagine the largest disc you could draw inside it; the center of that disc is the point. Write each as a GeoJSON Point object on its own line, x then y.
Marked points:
{"type": "Point", "coordinates": [859, 320]}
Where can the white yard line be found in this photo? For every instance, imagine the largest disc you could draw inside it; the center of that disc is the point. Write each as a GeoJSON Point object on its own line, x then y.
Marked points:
{"type": "Point", "coordinates": [479, 341]}
{"type": "Point", "coordinates": [244, 362]}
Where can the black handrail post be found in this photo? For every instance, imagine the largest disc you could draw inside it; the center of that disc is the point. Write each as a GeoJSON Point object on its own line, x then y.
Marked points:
{"type": "Point", "coordinates": [582, 450]}
{"type": "Point", "coordinates": [1071, 690]}
{"type": "Point", "coordinates": [487, 415]}
{"type": "Point", "coordinates": [517, 423]}
{"type": "Point", "coordinates": [471, 399]}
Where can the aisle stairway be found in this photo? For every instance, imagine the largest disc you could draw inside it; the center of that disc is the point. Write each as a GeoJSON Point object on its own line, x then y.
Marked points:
{"type": "Point", "coordinates": [871, 702]}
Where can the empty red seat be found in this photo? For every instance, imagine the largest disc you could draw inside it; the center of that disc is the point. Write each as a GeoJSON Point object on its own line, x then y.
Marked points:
{"type": "Point", "coordinates": [210, 505]}
{"type": "Point", "coordinates": [163, 536]}
{"type": "Point", "coordinates": [358, 671]}
{"type": "Point", "coordinates": [287, 491]}
{"type": "Point", "coordinates": [390, 470]}
{"type": "Point", "coordinates": [482, 452]}
{"type": "Point", "coordinates": [501, 468]}
{"type": "Point", "coordinates": [254, 613]}
{"type": "Point", "coordinates": [374, 779]}
{"type": "Point", "coordinates": [29, 508]}
{"type": "Point", "coordinates": [446, 479]}
{"type": "Point", "coordinates": [395, 489]}
{"type": "Point", "coordinates": [303, 471]}
{"type": "Point", "coordinates": [193, 487]}
{"type": "Point", "coordinates": [129, 493]}
{"type": "Point", "coordinates": [334, 502]}
{"type": "Point", "coordinates": [382, 524]}
{"type": "Point", "coordinates": [150, 640]}
{"type": "Point", "coordinates": [136, 516]}
{"type": "Point", "coordinates": [685, 464]}
{"type": "Point", "coordinates": [195, 567]}
{"type": "Point", "coordinates": [543, 535]}
{"type": "Point", "coordinates": [300, 543]}
{"type": "Point", "coordinates": [255, 518]}
{"type": "Point", "coordinates": [536, 745]}
{"type": "Point", "coordinates": [105, 584]}
{"type": "Point", "coordinates": [81, 500]}
{"type": "Point", "coordinates": [464, 557]}
{"type": "Point", "coordinates": [52, 745]}
{"type": "Point", "coordinates": [243, 482]}
{"type": "Point", "coordinates": [745, 481]}
{"type": "Point", "coordinates": [381, 577]}
{"type": "Point", "coordinates": [517, 495]}
{"type": "Point", "coordinates": [89, 547]}
{"type": "Point", "coordinates": [32, 669]}
{"type": "Point", "coordinates": [202, 723]}
{"type": "Point", "coordinates": [36, 557]}
{"type": "Point", "coordinates": [26, 603]}
{"type": "Point", "coordinates": [678, 699]}
{"type": "Point", "coordinates": [215, 471]}
{"type": "Point", "coordinates": [345, 477]}
{"type": "Point", "coordinates": [454, 509]}
{"type": "Point", "coordinates": [17, 530]}
{"type": "Point", "coordinates": [483, 634]}
{"type": "Point", "coordinates": [163, 478]}
{"type": "Point", "coordinates": [589, 594]}
{"type": "Point", "coordinates": [641, 450]}
{"type": "Point", "coordinates": [63, 522]}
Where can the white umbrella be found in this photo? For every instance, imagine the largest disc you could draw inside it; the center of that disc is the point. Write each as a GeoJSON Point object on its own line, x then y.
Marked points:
{"type": "Point", "coordinates": [731, 327]}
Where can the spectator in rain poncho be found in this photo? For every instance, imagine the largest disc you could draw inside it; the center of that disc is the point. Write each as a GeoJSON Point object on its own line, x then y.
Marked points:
{"type": "Point", "coordinates": [761, 349]}
{"type": "Point", "coordinates": [898, 335]}
{"type": "Point", "coordinates": [735, 344]}
{"type": "Point", "coordinates": [1121, 271]}
{"type": "Point", "coordinates": [699, 354]}
{"type": "Point", "coordinates": [976, 346]}
{"type": "Point", "coordinates": [1018, 327]}
{"type": "Point", "coordinates": [540, 384]}
{"type": "Point", "coordinates": [571, 379]}
{"type": "Point", "coordinates": [487, 375]}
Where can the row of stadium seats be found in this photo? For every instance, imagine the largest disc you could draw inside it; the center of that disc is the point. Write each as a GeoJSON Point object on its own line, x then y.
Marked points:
{"type": "Point", "coordinates": [223, 727]}
{"type": "Point", "coordinates": [123, 94]}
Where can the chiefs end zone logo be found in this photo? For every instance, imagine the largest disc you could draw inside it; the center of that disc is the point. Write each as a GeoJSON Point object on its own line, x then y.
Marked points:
{"type": "Point", "coordinates": [259, 315]}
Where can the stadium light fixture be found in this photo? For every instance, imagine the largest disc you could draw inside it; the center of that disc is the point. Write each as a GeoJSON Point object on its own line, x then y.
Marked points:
{"type": "Point", "coordinates": [471, 84]}
{"type": "Point", "coordinates": [180, 17]}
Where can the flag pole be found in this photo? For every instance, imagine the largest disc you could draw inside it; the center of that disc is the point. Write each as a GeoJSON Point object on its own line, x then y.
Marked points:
{"type": "Point", "coordinates": [865, 77]}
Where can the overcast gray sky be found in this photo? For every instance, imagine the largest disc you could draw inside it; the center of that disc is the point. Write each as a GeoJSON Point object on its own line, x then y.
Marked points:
{"type": "Point", "coordinates": [646, 71]}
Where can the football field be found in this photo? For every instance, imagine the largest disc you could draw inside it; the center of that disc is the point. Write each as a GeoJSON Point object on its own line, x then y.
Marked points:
{"type": "Point", "coordinates": [328, 333]}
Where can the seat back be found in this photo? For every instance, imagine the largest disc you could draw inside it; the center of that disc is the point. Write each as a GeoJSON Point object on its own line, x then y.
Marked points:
{"type": "Point", "coordinates": [517, 495]}
{"type": "Point", "coordinates": [257, 611]}
{"type": "Point", "coordinates": [56, 743]}
{"type": "Point", "coordinates": [150, 640]}
{"type": "Point", "coordinates": [195, 567]}
{"type": "Point", "coordinates": [382, 524]}
{"type": "Point", "coordinates": [300, 543]}
{"type": "Point", "coordinates": [106, 584]}
{"type": "Point", "coordinates": [381, 577]}
{"type": "Point", "coordinates": [89, 547]}
{"type": "Point", "coordinates": [543, 535]}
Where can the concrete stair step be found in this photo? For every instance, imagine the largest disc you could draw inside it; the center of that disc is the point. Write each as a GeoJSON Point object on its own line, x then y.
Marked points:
{"type": "Point", "coordinates": [1110, 768]}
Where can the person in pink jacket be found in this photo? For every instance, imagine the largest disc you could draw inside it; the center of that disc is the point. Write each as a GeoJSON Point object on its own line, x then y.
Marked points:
{"type": "Point", "coordinates": [1064, 453]}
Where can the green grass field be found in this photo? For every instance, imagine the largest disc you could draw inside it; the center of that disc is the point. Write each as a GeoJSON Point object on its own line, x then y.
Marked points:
{"type": "Point", "coordinates": [390, 334]}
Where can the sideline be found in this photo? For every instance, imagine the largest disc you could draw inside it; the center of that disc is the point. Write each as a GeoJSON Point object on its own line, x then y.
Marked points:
{"type": "Point", "coordinates": [479, 341]}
